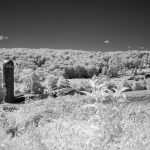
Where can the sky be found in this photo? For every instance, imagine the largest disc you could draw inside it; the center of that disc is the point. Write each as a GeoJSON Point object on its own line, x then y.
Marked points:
{"type": "Point", "coordinates": [98, 25]}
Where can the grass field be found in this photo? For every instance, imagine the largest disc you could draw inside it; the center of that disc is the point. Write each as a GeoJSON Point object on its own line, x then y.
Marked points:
{"type": "Point", "coordinates": [75, 123]}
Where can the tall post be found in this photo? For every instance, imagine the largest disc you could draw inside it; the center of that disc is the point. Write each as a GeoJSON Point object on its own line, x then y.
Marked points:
{"type": "Point", "coordinates": [8, 80]}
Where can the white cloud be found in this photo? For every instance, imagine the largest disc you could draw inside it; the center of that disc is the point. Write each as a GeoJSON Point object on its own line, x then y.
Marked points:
{"type": "Point", "coordinates": [106, 42]}
{"type": "Point", "coordinates": [3, 37]}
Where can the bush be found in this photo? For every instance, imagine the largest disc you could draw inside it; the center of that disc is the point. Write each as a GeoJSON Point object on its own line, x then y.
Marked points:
{"type": "Point", "coordinates": [62, 82]}
{"type": "Point", "coordinates": [139, 85]}
{"type": "Point", "coordinates": [32, 84]}
{"type": "Point", "coordinates": [127, 84]}
{"type": "Point", "coordinates": [104, 70]}
{"type": "Point", "coordinates": [111, 86]}
{"type": "Point", "coordinates": [37, 88]}
{"type": "Point", "coordinates": [70, 73]}
{"type": "Point", "coordinates": [112, 72]}
{"type": "Point", "coordinates": [81, 72]}
{"type": "Point", "coordinates": [51, 82]}
{"type": "Point", "coordinates": [92, 71]}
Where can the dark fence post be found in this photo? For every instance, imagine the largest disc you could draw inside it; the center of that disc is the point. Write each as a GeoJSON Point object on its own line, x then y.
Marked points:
{"type": "Point", "coordinates": [8, 80]}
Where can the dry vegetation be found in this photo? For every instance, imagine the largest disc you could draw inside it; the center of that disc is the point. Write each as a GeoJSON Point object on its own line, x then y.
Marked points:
{"type": "Point", "coordinates": [99, 120]}
{"type": "Point", "coordinates": [94, 121]}
{"type": "Point", "coordinates": [75, 122]}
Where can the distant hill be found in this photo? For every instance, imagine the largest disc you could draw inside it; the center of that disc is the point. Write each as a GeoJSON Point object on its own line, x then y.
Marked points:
{"type": "Point", "coordinates": [74, 62]}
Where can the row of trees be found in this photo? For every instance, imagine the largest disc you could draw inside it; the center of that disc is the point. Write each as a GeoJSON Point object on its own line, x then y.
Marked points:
{"type": "Point", "coordinates": [75, 64]}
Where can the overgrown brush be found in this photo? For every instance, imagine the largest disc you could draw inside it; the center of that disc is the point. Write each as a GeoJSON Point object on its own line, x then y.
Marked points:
{"type": "Point", "coordinates": [78, 122]}
{"type": "Point", "coordinates": [110, 127]}
{"type": "Point", "coordinates": [139, 85]}
{"type": "Point", "coordinates": [127, 84]}
{"type": "Point", "coordinates": [104, 91]}
{"type": "Point", "coordinates": [50, 82]}
{"type": "Point", "coordinates": [62, 82]}
{"type": "Point", "coordinates": [32, 83]}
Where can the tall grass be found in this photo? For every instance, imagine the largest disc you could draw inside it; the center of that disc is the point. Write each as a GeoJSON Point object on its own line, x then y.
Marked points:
{"type": "Point", "coordinates": [78, 122]}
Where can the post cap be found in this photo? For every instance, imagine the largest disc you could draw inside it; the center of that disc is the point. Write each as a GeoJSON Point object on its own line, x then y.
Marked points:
{"type": "Point", "coordinates": [8, 61]}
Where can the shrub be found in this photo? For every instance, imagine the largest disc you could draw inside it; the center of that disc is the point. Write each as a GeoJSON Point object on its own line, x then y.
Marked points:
{"type": "Point", "coordinates": [81, 72]}
{"type": "Point", "coordinates": [37, 87]}
{"type": "Point", "coordinates": [58, 72]}
{"type": "Point", "coordinates": [32, 84]}
{"type": "Point", "coordinates": [111, 86]}
{"type": "Point", "coordinates": [92, 70]}
{"type": "Point", "coordinates": [139, 85]}
{"type": "Point", "coordinates": [70, 72]}
{"type": "Point", "coordinates": [104, 70]}
{"type": "Point", "coordinates": [126, 84]}
{"type": "Point", "coordinates": [24, 74]}
{"type": "Point", "coordinates": [112, 72]}
{"type": "Point", "coordinates": [51, 82]}
{"type": "Point", "coordinates": [62, 82]}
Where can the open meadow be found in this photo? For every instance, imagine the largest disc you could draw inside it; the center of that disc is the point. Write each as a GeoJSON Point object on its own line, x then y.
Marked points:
{"type": "Point", "coordinates": [75, 122]}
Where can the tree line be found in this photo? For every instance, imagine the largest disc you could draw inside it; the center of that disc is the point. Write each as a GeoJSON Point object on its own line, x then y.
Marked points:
{"type": "Point", "coordinates": [75, 64]}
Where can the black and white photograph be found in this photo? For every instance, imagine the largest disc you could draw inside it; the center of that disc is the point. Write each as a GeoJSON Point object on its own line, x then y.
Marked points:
{"type": "Point", "coordinates": [74, 75]}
